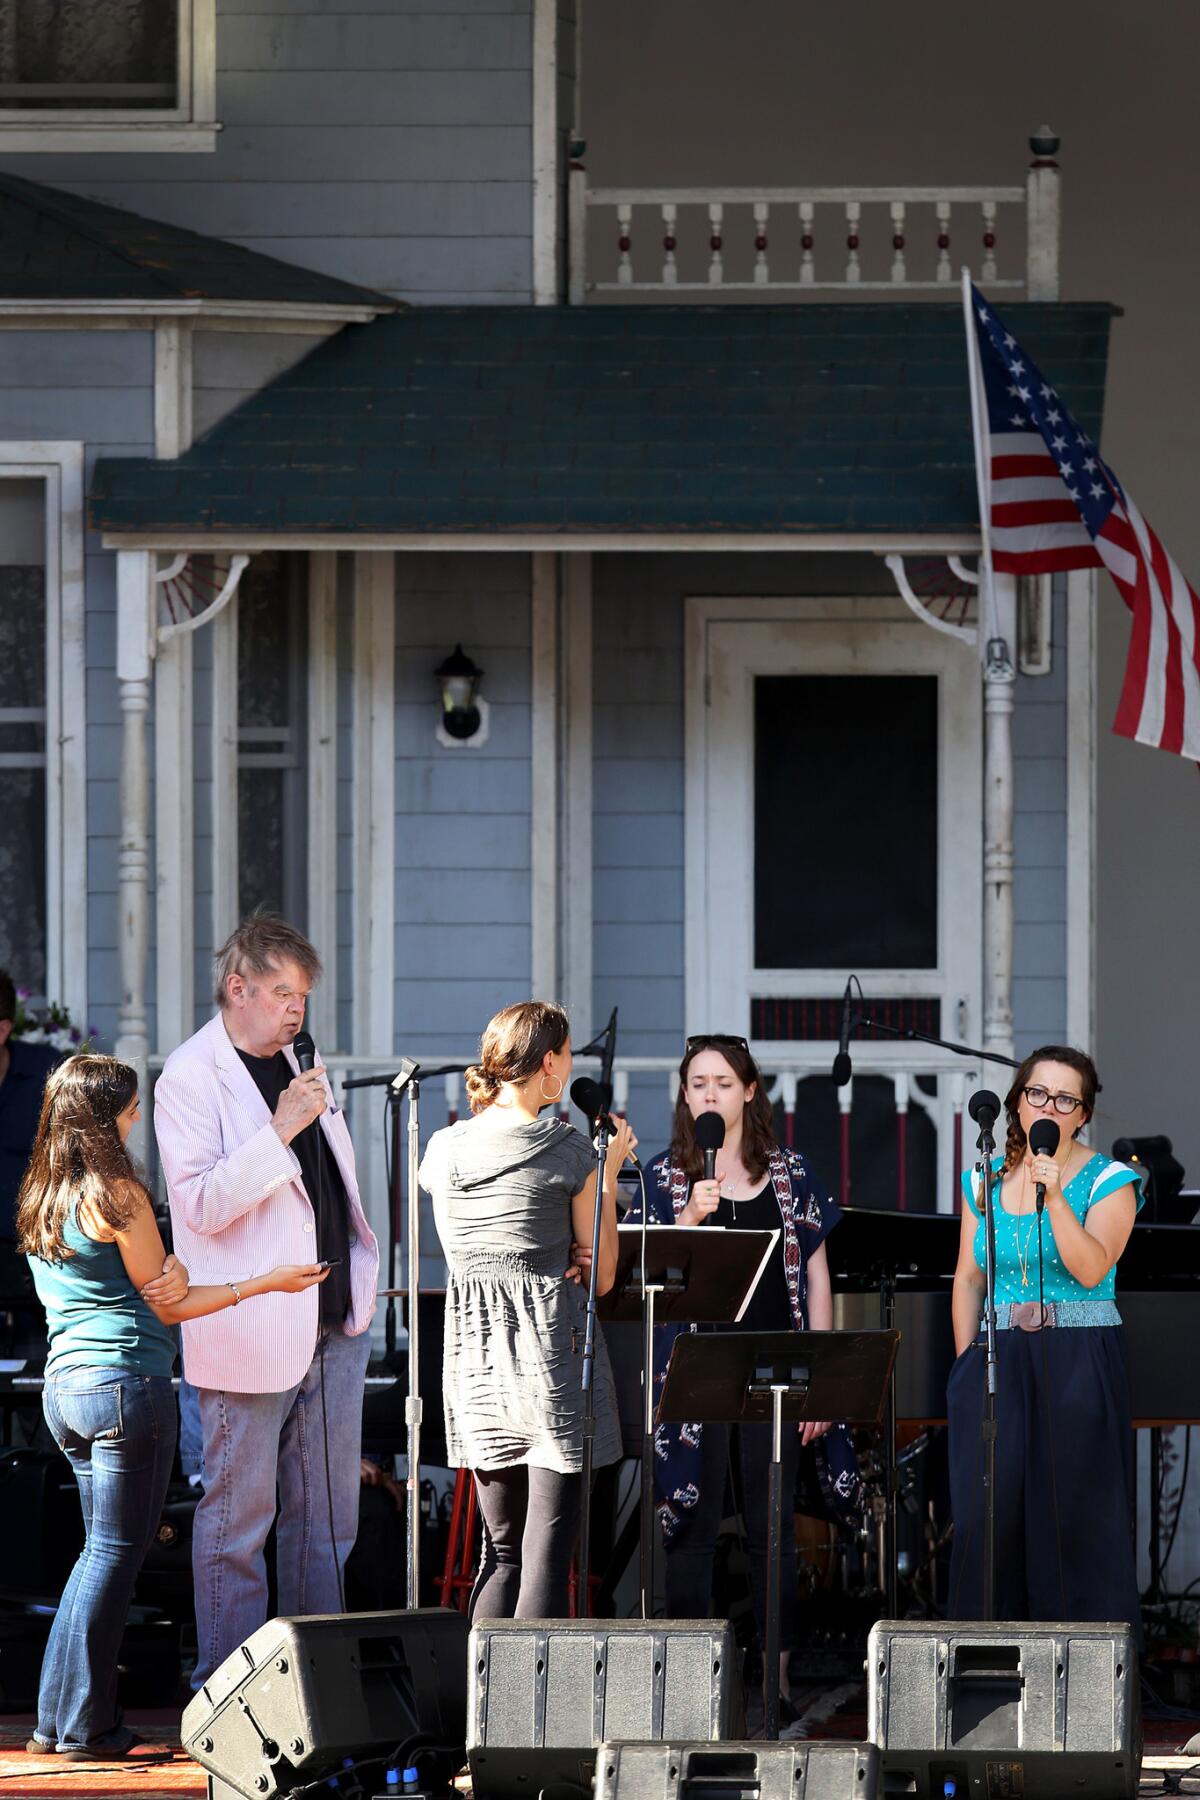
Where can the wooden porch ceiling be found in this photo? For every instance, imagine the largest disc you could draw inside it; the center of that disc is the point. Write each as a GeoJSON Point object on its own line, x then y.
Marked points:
{"type": "Point", "coordinates": [744, 422]}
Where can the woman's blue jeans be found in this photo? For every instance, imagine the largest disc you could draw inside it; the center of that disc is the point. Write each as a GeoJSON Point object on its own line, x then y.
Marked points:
{"type": "Point", "coordinates": [117, 1430]}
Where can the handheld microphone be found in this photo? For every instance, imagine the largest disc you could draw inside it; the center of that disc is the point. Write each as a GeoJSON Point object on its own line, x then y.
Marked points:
{"type": "Point", "coordinates": [841, 1063]}
{"type": "Point", "coordinates": [710, 1135]}
{"type": "Point", "coordinates": [984, 1108]}
{"type": "Point", "coordinates": [1044, 1135]}
{"type": "Point", "coordinates": [305, 1051]}
{"type": "Point", "coordinates": [593, 1100]}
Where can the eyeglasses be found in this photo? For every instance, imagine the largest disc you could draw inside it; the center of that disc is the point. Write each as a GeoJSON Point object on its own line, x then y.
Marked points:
{"type": "Point", "coordinates": [718, 1040]}
{"type": "Point", "coordinates": [1063, 1103]}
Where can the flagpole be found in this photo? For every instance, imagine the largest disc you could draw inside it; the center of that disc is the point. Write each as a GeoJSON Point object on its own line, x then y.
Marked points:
{"type": "Point", "coordinates": [988, 616]}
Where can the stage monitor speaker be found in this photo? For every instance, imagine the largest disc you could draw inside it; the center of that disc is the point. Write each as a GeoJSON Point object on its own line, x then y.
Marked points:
{"type": "Point", "coordinates": [1032, 1710]}
{"type": "Point", "coordinates": [542, 1694]}
{"type": "Point", "coordinates": [302, 1695]}
{"type": "Point", "coordinates": [741, 1771]}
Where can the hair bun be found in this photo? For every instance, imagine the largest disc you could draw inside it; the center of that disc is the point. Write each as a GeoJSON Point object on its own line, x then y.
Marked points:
{"type": "Point", "coordinates": [482, 1087]}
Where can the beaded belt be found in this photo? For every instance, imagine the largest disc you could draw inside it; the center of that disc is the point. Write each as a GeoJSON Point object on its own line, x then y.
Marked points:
{"type": "Point", "coordinates": [1028, 1315]}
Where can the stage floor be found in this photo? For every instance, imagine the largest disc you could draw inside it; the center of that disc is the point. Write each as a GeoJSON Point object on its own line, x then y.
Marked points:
{"type": "Point", "coordinates": [159, 1770]}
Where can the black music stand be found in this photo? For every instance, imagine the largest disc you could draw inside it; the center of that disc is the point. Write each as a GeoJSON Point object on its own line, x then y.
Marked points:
{"type": "Point", "coordinates": [729, 1378]}
{"type": "Point", "coordinates": [877, 1252]}
{"type": "Point", "coordinates": [693, 1276]}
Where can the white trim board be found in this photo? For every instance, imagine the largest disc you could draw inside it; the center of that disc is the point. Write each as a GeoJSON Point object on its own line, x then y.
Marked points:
{"type": "Point", "coordinates": [60, 465]}
{"type": "Point", "coordinates": [56, 314]}
{"type": "Point", "coordinates": [544, 280]}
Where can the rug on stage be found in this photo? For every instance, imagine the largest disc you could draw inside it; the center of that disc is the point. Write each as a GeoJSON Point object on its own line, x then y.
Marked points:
{"type": "Point", "coordinates": [156, 1767]}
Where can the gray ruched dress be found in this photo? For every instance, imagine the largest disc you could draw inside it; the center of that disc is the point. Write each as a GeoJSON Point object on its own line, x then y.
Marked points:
{"type": "Point", "coordinates": [513, 1359]}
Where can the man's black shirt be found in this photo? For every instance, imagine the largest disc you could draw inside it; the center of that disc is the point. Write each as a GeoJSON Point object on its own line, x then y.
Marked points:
{"type": "Point", "coordinates": [322, 1183]}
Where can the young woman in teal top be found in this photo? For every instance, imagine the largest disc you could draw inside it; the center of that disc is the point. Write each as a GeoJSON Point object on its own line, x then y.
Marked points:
{"type": "Point", "coordinates": [84, 1220]}
{"type": "Point", "coordinates": [1064, 1474]}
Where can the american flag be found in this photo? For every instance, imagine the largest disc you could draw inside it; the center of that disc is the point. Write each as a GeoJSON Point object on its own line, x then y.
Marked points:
{"type": "Point", "coordinates": [1056, 504]}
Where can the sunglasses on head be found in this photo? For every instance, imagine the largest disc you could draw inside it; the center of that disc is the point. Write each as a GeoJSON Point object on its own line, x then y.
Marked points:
{"type": "Point", "coordinates": [716, 1040]}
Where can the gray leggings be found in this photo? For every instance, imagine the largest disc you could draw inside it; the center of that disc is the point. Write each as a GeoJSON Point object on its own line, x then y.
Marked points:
{"type": "Point", "coordinates": [530, 1524]}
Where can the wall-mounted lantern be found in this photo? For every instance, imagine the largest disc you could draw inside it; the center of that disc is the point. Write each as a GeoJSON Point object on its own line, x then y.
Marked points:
{"type": "Point", "coordinates": [463, 722]}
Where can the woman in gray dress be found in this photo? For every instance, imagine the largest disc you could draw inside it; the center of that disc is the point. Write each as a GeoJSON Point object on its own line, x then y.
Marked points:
{"type": "Point", "coordinates": [511, 1193]}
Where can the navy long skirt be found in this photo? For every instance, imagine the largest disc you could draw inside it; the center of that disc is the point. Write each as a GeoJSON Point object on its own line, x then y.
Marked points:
{"type": "Point", "coordinates": [1064, 1477]}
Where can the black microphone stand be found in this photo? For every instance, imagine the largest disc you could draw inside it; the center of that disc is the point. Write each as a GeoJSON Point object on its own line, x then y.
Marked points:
{"type": "Point", "coordinates": [583, 1596]}
{"type": "Point", "coordinates": [888, 1580]}
{"type": "Point", "coordinates": [407, 1076]}
{"type": "Point", "coordinates": [987, 1428]}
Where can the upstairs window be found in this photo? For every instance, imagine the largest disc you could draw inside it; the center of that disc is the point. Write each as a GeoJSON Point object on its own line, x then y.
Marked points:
{"type": "Point", "coordinates": [106, 75]}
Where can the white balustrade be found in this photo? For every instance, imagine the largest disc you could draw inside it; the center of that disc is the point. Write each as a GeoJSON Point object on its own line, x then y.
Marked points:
{"type": "Point", "coordinates": [903, 1066]}
{"type": "Point", "coordinates": [894, 237]}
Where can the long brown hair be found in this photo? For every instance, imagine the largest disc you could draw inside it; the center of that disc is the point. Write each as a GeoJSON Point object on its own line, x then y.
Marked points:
{"type": "Point", "coordinates": [78, 1155]}
{"type": "Point", "coordinates": [758, 1126]}
{"type": "Point", "coordinates": [512, 1047]}
{"type": "Point", "coordinates": [1089, 1081]}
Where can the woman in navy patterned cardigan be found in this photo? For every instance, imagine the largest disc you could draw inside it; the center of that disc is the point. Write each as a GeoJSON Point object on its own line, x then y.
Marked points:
{"type": "Point", "coordinates": [758, 1186]}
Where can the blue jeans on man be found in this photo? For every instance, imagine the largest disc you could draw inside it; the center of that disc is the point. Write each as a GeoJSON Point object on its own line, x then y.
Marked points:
{"type": "Point", "coordinates": [255, 1444]}
{"type": "Point", "coordinates": [117, 1430]}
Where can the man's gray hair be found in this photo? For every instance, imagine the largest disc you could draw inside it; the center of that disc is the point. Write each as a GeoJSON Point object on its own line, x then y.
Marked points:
{"type": "Point", "coordinates": [261, 942]}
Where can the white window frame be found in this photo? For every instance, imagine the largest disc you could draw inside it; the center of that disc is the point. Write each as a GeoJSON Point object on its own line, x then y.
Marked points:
{"type": "Point", "coordinates": [845, 636]}
{"type": "Point", "coordinates": [60, 466]}
{"type": "Point", "coordinates": [190, 125]}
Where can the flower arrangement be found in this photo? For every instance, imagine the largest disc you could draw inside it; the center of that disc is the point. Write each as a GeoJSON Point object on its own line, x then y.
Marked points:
{"type": "Point", "coordinates": [50, 1024]}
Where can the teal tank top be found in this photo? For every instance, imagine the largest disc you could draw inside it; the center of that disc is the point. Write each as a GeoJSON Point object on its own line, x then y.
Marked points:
{"type": "Point", "coordinates": [1016, 1234]}
{"type": "Point", "coordinates": [95, 1317]}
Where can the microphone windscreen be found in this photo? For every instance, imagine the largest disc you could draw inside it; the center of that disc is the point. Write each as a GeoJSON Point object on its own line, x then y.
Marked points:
{"type": "Point", "coordinates": [710, 1131]}
{"type": "Point", "coordinates": [984, 1107]}
{"type": "Point", "coordinates": [1043, 1137]}
{"type": "Point", "coordinates": [305, 1050]}
{"type": "Point", "coordinates": [588, 1096]}
{"type": "Point", "coordinates": [842, 1069]}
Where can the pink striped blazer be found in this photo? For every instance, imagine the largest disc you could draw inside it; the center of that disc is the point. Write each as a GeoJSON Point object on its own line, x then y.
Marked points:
{"type": "Point", "coordinates": [239, 1208]}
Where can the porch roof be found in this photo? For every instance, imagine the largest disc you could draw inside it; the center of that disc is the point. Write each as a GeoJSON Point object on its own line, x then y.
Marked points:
{"type": "Point", "coordinates": [734, 419]}
{"type": "Point", "coordinates": [63, 247]}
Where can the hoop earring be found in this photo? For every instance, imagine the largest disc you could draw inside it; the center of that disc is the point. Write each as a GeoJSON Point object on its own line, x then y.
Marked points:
{"type": "Point", "coordinates": [549, 1098]}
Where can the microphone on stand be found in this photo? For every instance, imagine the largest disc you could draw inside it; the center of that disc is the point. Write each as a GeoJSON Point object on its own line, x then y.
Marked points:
{"type": "Point", "coordinates": [591, 1098]}
{"type": "Point", "coordinates": [984, 1108]}
{"type": "Point", "coordinates": [710, 1135]}
{"type": "Point", "coordinates": [842, 1068]}
{"type": "Point", "coordinates": [1044, 1136]}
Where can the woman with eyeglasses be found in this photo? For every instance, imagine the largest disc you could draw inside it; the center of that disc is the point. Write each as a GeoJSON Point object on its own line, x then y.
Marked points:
{"type": "Point", "coordinates": [759, 1186]}
{"type": "Point", "coordinates": [1064, 1473]}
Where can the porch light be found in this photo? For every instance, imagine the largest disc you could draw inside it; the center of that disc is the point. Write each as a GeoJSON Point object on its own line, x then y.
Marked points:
{"type": "Point", "coordinates": [464, 714]}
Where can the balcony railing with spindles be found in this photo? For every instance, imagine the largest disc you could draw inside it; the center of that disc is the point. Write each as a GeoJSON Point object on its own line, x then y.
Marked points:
{"type": "Point", "coordinates": [794, 241]}
{"type": "Point", "coordinates": [443, 1101]}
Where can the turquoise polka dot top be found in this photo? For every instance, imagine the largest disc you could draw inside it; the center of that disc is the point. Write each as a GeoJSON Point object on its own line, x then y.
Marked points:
{"type": "Point", "coordinates": [1017, 1233]}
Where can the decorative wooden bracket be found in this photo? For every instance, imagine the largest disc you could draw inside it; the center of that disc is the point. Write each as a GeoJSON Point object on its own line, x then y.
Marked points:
{"type": "Point", "coordinates": [191, 596]}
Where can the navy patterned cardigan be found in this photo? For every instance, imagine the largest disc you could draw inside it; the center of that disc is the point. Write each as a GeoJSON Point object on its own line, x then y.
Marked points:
{"type": "Point", "coordinates": [807, 1216]}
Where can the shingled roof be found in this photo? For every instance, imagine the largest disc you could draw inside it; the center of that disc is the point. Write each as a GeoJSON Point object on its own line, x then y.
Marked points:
{"type": "Point", "coordinates": [56, 246]}
{"type": "Point", "coordinates": [847, 418]}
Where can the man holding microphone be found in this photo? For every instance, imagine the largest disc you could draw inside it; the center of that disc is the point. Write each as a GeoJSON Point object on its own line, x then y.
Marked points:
{"type": "Point", "coordinates": [259, 1169]}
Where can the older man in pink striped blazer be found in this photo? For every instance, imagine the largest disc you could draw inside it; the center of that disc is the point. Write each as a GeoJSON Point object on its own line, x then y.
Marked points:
{"type": "Point", "coordinates": [260, 1170]}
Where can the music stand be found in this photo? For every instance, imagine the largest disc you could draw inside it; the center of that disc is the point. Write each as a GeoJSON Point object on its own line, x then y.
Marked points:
{"type": "Point", "coordinates": [730, 1378]}
{"type": "Point", "coordinates": [693, 1276]}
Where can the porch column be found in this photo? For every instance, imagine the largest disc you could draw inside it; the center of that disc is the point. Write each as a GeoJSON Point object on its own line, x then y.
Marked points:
{"type": "Point", "coordinates": [374, 802]}
{"type": "Point", "coordinates": [576, 690]}
{"type": "Point", "coordinates": [174, 822]}
{"type": "Point", "coordinates": [544, 784]}
{"type": "Point", "coordinates": [999, 676]}
{"type": "Point", "coordinates": [135, 624]}
{"type": "Point", "coordinates": [322, 790]}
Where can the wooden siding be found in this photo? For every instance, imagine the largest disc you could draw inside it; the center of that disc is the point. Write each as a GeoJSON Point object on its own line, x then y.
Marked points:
{"type": "Point", "coordinates": [462, 816]}
{"type": "Point", "coordinates": [384, 144]}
